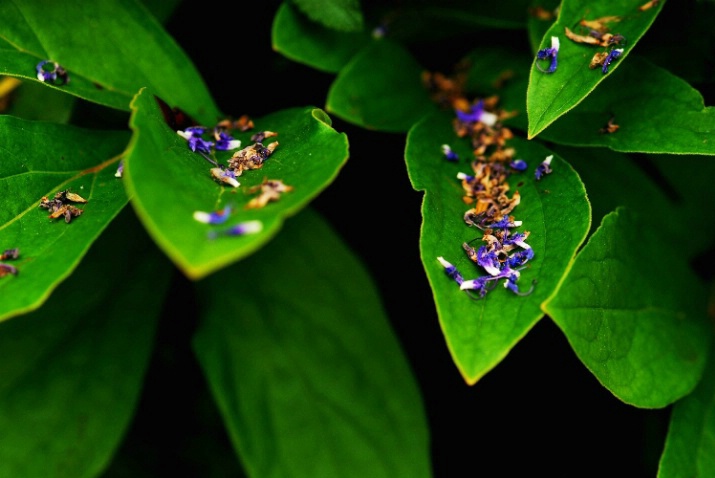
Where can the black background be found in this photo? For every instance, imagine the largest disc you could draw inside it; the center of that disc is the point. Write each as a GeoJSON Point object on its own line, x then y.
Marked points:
{"type": "Point", "coordinates": [539, 412]}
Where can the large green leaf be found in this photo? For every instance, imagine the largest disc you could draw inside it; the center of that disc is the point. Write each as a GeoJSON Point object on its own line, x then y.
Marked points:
{"type": "Point", "coordinates": [480, 333]}
{"type": "Point", "coordinates": [297, 37]}
{"type": "Point", "coordinates": [30, 100]}
{"type": "Point", "coordinates": [634, 315]}
{"type": "Point", "coordinates": [691, 434]}
{"type": "Point", "coordinates": [306, 371]}
{"type": "Point", "coordinates": [551, 95]}
{"type": "Point", "coordinates": [72, 371]}
{"type": "Point", "coordinates": [380, 89]}
{"type": "Point", "coordinates": [656, 112]}
{"type": "Point", "coordinates": [40, 159]}
{"type": "Point", "coordinates": [615, 179]}
{"type": "Point", "coordinates": [169, 182]}
{"type": "Point", "coordinates": [110, 49]}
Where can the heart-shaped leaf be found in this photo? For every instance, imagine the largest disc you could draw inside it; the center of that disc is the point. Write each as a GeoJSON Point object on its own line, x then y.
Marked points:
{"type": "Point", "coordinates": [551, 95]}
{"type": "Point", "coordinates": [72, 371]}
{"type": "Point", "coordinates": [109, 49]}
{"type": "Point", "coordinates": [480, 333]}
{"type": "Point", "coordinates": [297, 37]}
{"type": "Point", "coordinates": [634, 316]}
{"type": "Point", "coordinates": [302, 343]}
{"type": "Point", "coordinates": [41, 160]}
{"type": "Point", "coordinates": [170, 183]}
{"type": "Point", "coordinates": [691, 434]}
{"type": "Point", "coordinates": [380, 89]}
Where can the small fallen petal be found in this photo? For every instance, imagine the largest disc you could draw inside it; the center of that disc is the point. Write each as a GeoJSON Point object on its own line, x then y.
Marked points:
{"type": "Point", "coordinates": [240, 229]}
{"type": "Point", "coordinates": [215, 217]}
{"type": "Point", "coordinates": [225, 176]}
{"type": "Point", "coordinates": [120, 170]}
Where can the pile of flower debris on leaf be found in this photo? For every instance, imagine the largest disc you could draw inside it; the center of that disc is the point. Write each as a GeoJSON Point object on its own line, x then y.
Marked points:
{"type": "Point", "coordinates": [504, 252]}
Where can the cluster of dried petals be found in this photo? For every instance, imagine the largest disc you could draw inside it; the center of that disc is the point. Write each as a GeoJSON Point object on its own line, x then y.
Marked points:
{"type": "Point", "coordinates": [270, 190]}
{"type": "Point", "coordinates": [9, 254]}
{"type": "Point", "coordinates": [251, 157]}
{"type": "Point", "coordinates": [504, 253]}
{"type": "Point", "coordinates": [60, 205]}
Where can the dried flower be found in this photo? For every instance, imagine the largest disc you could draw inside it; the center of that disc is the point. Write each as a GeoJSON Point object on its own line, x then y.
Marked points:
{"type": "Point", "coordinates": [544, 168]}
{"type": "Point", "coordinates": [518, 164]}
{"type": "Point", "coordinates": [224, 141]}
{"type": "Point", "coordinates": [120, 169]}
{"type": "Point", "coordinates": [215, 217]}
{"type": "Point", "coordinates": [193, 135]}
{"type": "Point", "coordinates": [226, 176]}
{"type": "Point", "coordinates": [451, 270]}
{"type": "Point", "coordinates": [550, 54]}
{"type": "Point", "coordinates": [240, 229]}
{"type": "Point", "coordinates": [477, 113]}
{"type": "Point", "coordinates": [52, 76]}
{"type": "Point", "coordinates": [271, 190]}
{"type": "Point", "coordinates": [615, 53]}
{"type": "Point", "coordinates": [449, 153]}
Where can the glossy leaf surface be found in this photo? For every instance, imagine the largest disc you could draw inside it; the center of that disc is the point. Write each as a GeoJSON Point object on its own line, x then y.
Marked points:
{"type": "Point", "coordinates": [295, 36]}
{"type": "Point", "coordinates": [110, 49]}
{"type": "Point", "coordinates": [551, 95]}
{"type": "Point", "coordinates": [659, 188]}
{"type": "Point", "coordinates": [39, 160]}
{"type": "Point", "coordinates": [72, 371]}
{"type": "Point", "coordinates": [662, 114]}
{"type": "Point", "coordinates": [170, 182]}
{"type": "Point", "coordinates": [480, 333]}
{"type": "Point", "coordinates": [306, 371]}
{"type": "Point", "coordinates": [691, 434]}
{"type": "Point", "coordinates": [637, 320]}
{"type": "Point", "coordinates": [380, 89]}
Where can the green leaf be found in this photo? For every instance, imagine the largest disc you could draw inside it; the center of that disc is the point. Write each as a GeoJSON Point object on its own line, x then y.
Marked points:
{"type": "Point", "coordinates": [634, 313]}
{"type": "Point", "coordinates": [169, 183]}
{"type": "Point", "coordinates": [300, 350]}
{"type": "Point", "coordinates": [690, 441]}
{"type": "Point", "coordinates": [32, 101]}
{"type": "Point", "coordinates": [298, 38]}
{"type": "Point", "coordinates": [341, 15]}
{"type": "Point", "coordinates": [550, 96]}
{"type": "Point", "coordinates": [380, 89]}
{"type": "Point", "coordinates": [656, 112]}
{"type": "Point", "coordinates": [615, 179]}
{"type": "Point", "coordinates": [72, 371]}
{"type": "Point", "coordinates": [110, 50]}
{"type": "Point", "coordinates": [39, 160]}
{"type": "Point", "coordinates": [480, 333]}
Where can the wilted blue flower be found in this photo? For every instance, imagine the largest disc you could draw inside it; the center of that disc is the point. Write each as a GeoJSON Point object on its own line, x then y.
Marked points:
{"type": "Point", "coordinates": [612, 55]}
{"type": "Point", "coordinates": [192, 135]}
{"type": "Point", "coordinates": [120, 169]}
{"type": "Point", "coordinates": [240, 229]}
{"type": "Point", "coordinates": [448, 153]}
{"type": "Point", "coordinates": [549, 54]}
{"type": "Point", "coordinates": [215, 217]}
{"type": "Point", "coordinates": [225, 142]}
{"type": "Point", "coordinates": [518, 164]}
{"type": "Point", "coordinates": [544, 168]}
{"type": "Point", "coordinates": [488, 260]}
{"type": "Point", "coordinates": [451, 270]}
{"type": "Point", "coordinates": [477, 113]}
